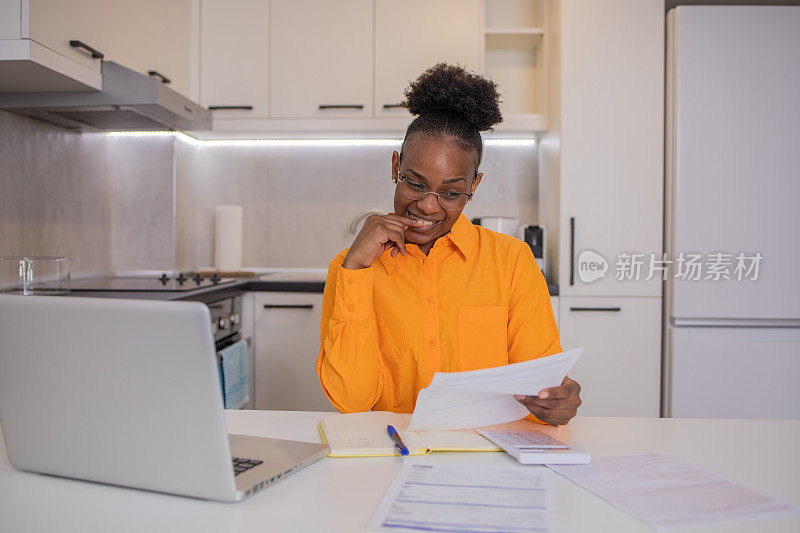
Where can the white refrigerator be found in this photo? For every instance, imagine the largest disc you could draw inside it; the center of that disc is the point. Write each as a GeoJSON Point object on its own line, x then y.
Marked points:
{"type": "Point", "coordinates": [732, 206]}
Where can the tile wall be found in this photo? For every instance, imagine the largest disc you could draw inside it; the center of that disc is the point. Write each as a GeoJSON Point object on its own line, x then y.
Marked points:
{"type": "Point", "coordinates": [97, 200]}
{"type": "Point", "coordinates": [131, 203]}
{"type": "Point", "coordinates": [299, 201]}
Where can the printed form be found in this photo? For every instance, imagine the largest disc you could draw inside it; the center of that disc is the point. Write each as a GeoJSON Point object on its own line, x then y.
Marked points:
{"type": "Point", "coordinates": [478, 398]}
{"type": "Point", "coordinates": [468, 498]}
{"type": "Point", "coordinates": [663, 492]}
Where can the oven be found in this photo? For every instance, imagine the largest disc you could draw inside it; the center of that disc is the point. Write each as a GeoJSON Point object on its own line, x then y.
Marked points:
{"type": "Point", "coordinates": [226, 320]}
{"type": "Point", "coordinates": [226, 327]}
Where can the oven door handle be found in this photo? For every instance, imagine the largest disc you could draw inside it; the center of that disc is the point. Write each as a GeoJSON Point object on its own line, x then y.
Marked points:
{"type": "Point", "coordinates": [227, 341]}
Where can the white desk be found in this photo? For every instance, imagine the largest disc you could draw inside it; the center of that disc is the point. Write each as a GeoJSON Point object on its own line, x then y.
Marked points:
{"type": "Point", "coordinates": [335, 495]}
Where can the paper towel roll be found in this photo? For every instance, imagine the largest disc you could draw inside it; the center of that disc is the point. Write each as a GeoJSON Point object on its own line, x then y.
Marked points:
{"type": "Point", "coordinates": [228, 238]}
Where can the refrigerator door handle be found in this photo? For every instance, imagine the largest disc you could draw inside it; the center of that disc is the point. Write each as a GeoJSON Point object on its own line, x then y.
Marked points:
{"type": "Point", "coordinates": [735, 323]}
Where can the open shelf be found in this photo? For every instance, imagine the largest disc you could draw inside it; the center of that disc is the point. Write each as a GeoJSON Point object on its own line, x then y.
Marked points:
{"type": "Point", "coordinates": [514, 57]}
{"type": "Point", "coordinates": [503, 14]}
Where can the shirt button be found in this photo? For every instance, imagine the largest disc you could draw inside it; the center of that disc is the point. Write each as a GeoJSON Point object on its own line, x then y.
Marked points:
{"type": "Point", "coordinates": [350, 308]}
{"type": "Point", "coordinates": [431, 299]}
{"type": "Point", "coordinates": [432, 342]}
{"type": "Point", "coordinates": [350, 281]}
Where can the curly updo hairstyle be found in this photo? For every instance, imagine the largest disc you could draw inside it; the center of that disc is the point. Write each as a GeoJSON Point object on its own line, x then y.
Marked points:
{"type": "Point", "coordinates": [452, 102]}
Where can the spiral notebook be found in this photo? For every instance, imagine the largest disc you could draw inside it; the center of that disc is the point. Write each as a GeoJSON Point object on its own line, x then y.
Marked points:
{"type": "Point", "coordinates": [365, 435]}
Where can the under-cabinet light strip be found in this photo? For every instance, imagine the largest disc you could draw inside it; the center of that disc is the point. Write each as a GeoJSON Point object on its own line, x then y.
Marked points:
{"type": "Point", "coordinates": [297, 142]}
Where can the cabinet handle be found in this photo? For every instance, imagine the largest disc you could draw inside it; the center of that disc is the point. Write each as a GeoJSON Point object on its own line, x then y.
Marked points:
{"type": "Point", "coordinates": [288, 306]}
{"type": "Point", "coordinates": [572, 250]}
{"type": "Point", "coordinates": [229, 107]}
{"type": "Point", "coordinates": [393, 106]}
{"type": "Point", "coordinates": [613, 309]}
{"type": "Point", "coordinates": [96, 54]}
{"type": "Point", "coordinates": [157, 74]}
{"type": "Point", "coordinates": [355, 106]}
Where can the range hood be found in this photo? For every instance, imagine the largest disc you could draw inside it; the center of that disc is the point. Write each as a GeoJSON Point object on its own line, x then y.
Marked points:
{"type": "Point", "coordinates": [129, 101]}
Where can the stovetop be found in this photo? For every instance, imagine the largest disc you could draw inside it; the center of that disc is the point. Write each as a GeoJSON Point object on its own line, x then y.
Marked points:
{"type": "Point", "coordinates": [180, 283]}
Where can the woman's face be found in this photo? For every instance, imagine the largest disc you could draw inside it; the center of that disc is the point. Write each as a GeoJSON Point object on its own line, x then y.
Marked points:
{"type": "Point", "coordinates": [441, 165]}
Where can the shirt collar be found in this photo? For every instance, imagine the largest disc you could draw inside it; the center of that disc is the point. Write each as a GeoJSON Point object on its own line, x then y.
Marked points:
{"type": "Point", "coordinates": [463, 234]}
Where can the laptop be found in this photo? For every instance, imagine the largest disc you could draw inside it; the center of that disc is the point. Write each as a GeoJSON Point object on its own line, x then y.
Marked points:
{"type": "Point", "coordinates": [127, 392]}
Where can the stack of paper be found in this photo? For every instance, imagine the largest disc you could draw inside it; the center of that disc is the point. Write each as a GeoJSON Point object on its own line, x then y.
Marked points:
{"type": "Point", "coordinates": [477, 398]}
{"type": "Point", "coordinates": [664, 492]}
{"type": "Point", "coordinates": [472, 498]}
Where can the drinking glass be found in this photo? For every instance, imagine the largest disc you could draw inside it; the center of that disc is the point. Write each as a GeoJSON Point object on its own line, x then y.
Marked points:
{"type": "Point", "coordinates": [34, 275]}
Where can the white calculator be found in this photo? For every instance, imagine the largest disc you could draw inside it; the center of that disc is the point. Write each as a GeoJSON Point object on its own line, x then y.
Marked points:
{"type": "Point", "coordinates": [535, 447]}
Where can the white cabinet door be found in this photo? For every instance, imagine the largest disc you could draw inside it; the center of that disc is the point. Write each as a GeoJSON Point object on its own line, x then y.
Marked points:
{"type": "Point", "coordinates": [620, 369]}
{"type": "Point", "coordinates": [54, 23]}
{"type": "Point", "coordinates": [286, 347]}
{"type": "Point", "coordinates": [150, 35]}
{"type": "Point", "coordinates": [35, 55]}
{"type": "Point", "coordinates": [234, 57]}
{"type": "Point", "coordinates": [612, 107]}
{"type": "Point", "coordinates": [321, 58]}
{"type": "Point", "coordinates": [412, 35]}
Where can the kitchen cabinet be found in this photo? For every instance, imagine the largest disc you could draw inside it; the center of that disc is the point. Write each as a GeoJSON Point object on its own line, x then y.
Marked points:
{"type": "Point", "coordinates": [601, 196]}
{"type": "Point", "coordinates": [234, 60]}
{"type": "Point", "coordinates": [611, 137]}
{"type": "Point", "coordinates": [150, 35]}
{"type": "Point", "coordinates": [35, 51]}
{"type": "Point", "coordinates": [287, 326]}
{"type": "Point", "coordinates": [620, 368]}
{"type": "Point", "coordinates": [612, 143]}
{"type": "Point", "coordinates": [356, 57]}
{"type": "Point", "coordinates": [54, 23]}
{"type": "Point", "coordinates": [413, 35]}
{"type": "Point", "coordinates": [321, 56]}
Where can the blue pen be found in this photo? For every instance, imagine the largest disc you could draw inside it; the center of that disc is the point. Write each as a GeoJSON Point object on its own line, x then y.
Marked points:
{"type": "Point", "coordinates": [398, 442]}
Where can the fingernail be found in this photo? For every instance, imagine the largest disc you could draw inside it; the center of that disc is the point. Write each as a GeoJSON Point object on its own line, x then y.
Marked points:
{"type": "Point", "coordinates": [518, 397]}
{"type": "Point", "coordinates": [543, 394]}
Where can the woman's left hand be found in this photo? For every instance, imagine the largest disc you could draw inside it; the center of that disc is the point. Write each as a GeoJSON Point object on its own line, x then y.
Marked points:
{"type": "Point", "coordinates": [556, 405]}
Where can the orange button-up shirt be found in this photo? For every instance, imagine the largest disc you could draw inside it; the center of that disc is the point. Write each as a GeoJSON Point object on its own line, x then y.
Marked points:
{"type": "Point", "coordinates": [477, 300]}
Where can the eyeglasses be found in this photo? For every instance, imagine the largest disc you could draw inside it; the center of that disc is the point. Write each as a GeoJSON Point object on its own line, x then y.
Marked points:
{"type": "Point", "coordinates": [414, 190]}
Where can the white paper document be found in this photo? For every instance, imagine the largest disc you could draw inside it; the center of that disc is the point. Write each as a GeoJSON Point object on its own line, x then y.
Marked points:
{"type": "Point", "coordinates": [666, 493]}
{"type": "Point", "coordinates": [477, 398]}
{"type": "Point", "coordinates": [469, 498]}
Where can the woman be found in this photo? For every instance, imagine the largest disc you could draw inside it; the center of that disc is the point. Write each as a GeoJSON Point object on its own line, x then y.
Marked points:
{"type": "Point", "coordinates": [422, 290]}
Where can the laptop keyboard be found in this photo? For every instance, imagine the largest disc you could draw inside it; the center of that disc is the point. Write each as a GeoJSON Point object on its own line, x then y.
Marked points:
{"type": "Point", "coordinates": [243, 465]}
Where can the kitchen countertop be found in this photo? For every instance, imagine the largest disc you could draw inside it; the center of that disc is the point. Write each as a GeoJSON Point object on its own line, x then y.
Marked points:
{"type": "Point", "coordinates": [266, 280]}
{"type": "Point", "coordinates": [340, 495]}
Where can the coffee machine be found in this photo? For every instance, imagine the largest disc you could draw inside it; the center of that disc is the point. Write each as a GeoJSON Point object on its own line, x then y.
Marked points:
{"type": "Point", "coordinates": [534, 235]}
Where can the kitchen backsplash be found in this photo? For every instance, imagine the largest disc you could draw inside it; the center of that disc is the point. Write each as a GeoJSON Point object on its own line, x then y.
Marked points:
{"type": "Point", "coordinates": [98, 200]}
{"type": "Point", "coordinates": [128, 203]}
{"type": "Point", "coordinates": [299, 201]}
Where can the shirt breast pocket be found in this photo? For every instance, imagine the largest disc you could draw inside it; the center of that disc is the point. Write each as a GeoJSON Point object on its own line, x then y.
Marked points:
{"type": "Point", "coordinates": [482, 336]}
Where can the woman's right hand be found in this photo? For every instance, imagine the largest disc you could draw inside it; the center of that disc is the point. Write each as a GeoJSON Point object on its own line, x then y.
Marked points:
{"type": "Point", "coordinates": [378, 234]}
